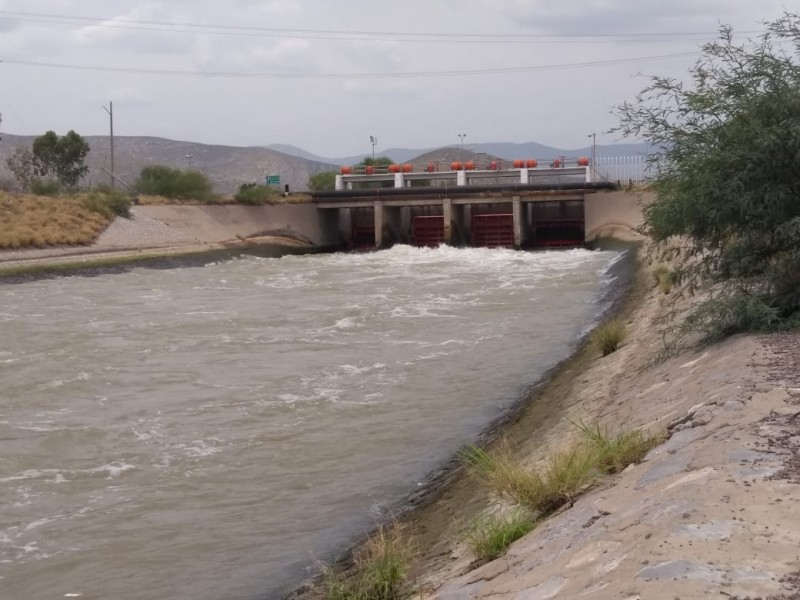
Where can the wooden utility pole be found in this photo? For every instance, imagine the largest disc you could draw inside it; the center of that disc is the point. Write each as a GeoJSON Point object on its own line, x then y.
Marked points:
{"type": "Point", "coordinates": [110, 111]}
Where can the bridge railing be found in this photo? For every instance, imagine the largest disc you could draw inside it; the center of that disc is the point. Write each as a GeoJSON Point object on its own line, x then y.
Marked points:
{"type": "Point", "coordinates": [625, 170]}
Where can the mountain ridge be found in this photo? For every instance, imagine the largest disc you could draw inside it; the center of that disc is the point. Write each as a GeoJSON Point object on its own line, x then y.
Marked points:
{"type": "Point", "coordinates": [228, 167]}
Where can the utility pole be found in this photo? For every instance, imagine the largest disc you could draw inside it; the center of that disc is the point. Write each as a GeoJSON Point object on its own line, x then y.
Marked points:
{"type": "Point", "coordinates": [373, 140]}
{"type": "Point", "coordinates": [593, 135]}
{"type": "Point", "coordinates": [461, 136]}
{"type": "Point", "coordinates": [110, 111]}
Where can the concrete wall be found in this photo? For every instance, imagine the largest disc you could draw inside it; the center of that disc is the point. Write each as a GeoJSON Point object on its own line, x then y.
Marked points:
{"type": "Point", "coordinates": [615, 214]}
{"type": "Point", "coordinates": [222, 223]}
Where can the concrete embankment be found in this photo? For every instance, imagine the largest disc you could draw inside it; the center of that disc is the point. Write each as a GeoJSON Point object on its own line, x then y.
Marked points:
{"type": "Point", "coordinates": [158, 231]}
{"type": "Point", "coordinates": [710, 513]}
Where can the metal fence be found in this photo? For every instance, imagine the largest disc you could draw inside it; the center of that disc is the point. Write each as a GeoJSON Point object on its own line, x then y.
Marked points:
{"type": "Point", "coordinates": [627, 170]}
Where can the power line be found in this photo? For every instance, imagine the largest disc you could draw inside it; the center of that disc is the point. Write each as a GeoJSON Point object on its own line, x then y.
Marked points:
{"type": "Point", "coordinates": [407, 74]}
{"type": "Point", "coordinates": [352, 35]}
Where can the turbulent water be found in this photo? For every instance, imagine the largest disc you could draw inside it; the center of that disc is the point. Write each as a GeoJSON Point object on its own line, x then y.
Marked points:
{"type": "Point", "coordinates": [208, 432]}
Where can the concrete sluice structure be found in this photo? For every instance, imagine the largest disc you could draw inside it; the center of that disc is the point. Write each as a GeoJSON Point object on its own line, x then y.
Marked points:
{"type": "Point", "coordinates": [521, 207]}
{"type": "Point", "coordinates": [518, 216]}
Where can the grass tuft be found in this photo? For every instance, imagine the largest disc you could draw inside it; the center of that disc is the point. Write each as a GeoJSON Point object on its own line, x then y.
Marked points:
{"type": "Point", "coordinates": [608, 336]}
{"type": "Point", "coordinates": [613, 454]}
{"type": "Point", "coordinates": [489, 536]}
{"type": "Point", "coordinates": [557, 481]}
{"type": "Point", "coordinates": [664, 277]}
{"type": "Point", "coordinates": [379, 571]}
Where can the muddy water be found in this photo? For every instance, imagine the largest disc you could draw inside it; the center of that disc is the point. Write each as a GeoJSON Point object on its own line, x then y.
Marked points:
{"type": "Point", "coordinates": [206, 432]}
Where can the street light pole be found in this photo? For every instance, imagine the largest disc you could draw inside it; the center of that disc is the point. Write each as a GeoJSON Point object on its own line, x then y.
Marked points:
{"type": "Point", "coordinates": [461, 136]}
{"type": "Point", "coordinates": [373, 140]}
{"type": "Point", "coordinates": [110, 111]}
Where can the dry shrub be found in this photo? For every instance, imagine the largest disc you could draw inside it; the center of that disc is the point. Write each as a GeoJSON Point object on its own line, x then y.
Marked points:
{"type": "Point", "coordinates": [33, 221]}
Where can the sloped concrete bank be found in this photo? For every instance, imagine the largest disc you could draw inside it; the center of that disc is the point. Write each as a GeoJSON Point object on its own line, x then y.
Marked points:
{"type": "Point", "coordinates": [163, 234]}
{"type": "Point", "coordinates": [710, 513]}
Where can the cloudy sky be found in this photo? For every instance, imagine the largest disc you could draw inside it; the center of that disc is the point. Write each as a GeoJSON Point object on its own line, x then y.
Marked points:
{"type": "Point", "coordinates": [326, 75]}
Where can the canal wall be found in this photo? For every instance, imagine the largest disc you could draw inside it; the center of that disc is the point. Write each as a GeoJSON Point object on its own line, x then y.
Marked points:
{"type": "Point", "coordinates": [617, 214]}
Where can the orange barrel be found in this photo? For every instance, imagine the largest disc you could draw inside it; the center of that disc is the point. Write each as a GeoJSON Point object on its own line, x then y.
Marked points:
{"type": "Point", "coordinates": [531, 163]}
{"type": "Point", "coordinates": [408, 167]}
{"type": "Point", "coordinates": [494, 166]}
{"type": "Point", "coordinates": [347, 170]}
{"type": "Point", "coordinates": [455, 166]}
{"type": "Point", "coordinates": [557, 163]}
{"type": "Point", "coordinates": [583, 161]}
{"type": "Point", "coordinates": [394, 168]}
{"type": "Point", "coordinates": [369, 170]}
{"type": "Point", "coordinates": [519, 164]}
{"type": "Point", "coordinates": [430, 168]}
{"type": "Point", "coordinates": [469, 165]}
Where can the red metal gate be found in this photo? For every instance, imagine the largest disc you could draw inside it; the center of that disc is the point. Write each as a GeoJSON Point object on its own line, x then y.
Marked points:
{"type": "Point", "coordinates": [493, 230]}
{"type": "Point", "coordinates": [427, 230]}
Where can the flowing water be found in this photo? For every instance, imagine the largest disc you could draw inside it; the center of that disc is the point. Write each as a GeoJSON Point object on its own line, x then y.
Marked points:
{"type": "Point", "coordinates": [207, 432]}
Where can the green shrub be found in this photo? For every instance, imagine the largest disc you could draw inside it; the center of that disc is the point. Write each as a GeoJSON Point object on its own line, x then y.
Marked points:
{"type": "Point", "coordinates": [490, 536]}
{"type": "Point", "coordinates": [158, 180]}
{"type": "Point", "coordinates": [608, 336]}
{"type": "Point", "coordinates": [45, 187]}
{"type": "Point", "coordinates": [109, 202]}
{"type": "Point", "coordinates": [255, 194]}
{"type": "Point", "coordinates": [379, 572]}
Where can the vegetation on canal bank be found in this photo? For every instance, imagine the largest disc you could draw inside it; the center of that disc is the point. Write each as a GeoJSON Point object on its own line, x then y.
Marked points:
{"type": "Point", "coordinates": [37, 221]}
{"type": "Point", "coordinates": [727, 177]}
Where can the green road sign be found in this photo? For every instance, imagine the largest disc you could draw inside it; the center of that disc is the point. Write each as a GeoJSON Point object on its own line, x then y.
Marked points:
{"type": "Point", "coordinates": [273, 179]}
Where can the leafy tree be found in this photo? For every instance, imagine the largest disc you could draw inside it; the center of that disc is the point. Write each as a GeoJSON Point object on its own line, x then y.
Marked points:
{"type": "Point", "coordinates": [323, 181]}
{"type": "Point", "coordinates": [729, 175]}
{"type": "Point", "coordinates": [159, 180]}
{"type": "Point", "coordinates": [22, 167]}
{"type": "Point", "coordinates": [379, 161]}
{"type": "Point", "coordinates": [61, 158]}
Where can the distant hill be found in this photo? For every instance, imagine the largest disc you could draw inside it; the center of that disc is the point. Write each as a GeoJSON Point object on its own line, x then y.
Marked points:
{"type": "Point", "coordinates": [230, 166]}
{"type": "Point", "coordinates": [502, 150]}
{"type": "Point", "coordinates": [226, 166]}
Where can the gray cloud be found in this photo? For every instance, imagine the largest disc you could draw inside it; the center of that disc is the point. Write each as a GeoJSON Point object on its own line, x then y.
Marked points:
{"type": "Point", "coordinates": [337, 115]}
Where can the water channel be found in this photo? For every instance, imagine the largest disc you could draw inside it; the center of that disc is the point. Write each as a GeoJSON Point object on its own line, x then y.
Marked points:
{"type": "Point", "coordinates": [207, 432]}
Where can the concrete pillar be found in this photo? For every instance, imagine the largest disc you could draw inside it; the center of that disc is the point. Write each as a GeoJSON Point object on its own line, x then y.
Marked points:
{"type": "Point", "coordinates": [523, 176]}
{"type": "Point", "coordinates": [447, 215]}
{"type": "Point", "coordinates": [339, 183]}
{"type": "Point", "coordinates": [461, 178]}
{"type": "Point", "coordinates": [399, 180]}
{"type": "Point", "coordinates": [378, 213]}
{"type": "Point", "coordinates": [519, 224]}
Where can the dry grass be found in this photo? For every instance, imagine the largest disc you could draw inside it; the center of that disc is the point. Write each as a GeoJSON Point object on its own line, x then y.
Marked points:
{"type": "Point", "coordinates": [564, 473]}
{"type": "Point", "coordinates": [614, 453]}
{"type": "Point", "coordinates": [379, 570]}
{"type": "Point", "coordinates": [552, 484]}
{"type": "Point", "coordinates": [664, 277]}
{"type": "Point", "coordinates": [608, 336]}
{"type": "Point", "coordinates": [36, 221]}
